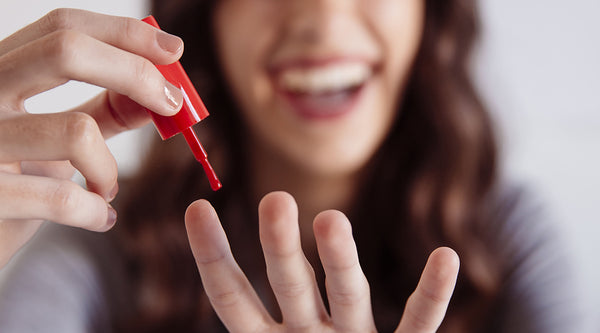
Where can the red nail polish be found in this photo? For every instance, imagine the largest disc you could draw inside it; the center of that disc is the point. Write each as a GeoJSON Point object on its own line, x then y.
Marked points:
{"type": "Point", "coordinates": [191, 113]}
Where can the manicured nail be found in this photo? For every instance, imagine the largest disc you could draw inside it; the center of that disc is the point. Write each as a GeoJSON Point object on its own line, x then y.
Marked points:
{"type": "Point", "coordinates": [112, 217]}
{"type": "Point", "coordinates": [113, 192]}
{"type": "Point", "coordinates": [168, 42]}
{"type": "Point", "coordinates": [174, 96]}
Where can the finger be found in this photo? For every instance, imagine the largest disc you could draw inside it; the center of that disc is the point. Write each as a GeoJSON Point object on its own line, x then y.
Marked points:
{"type": "Point", "coordinates": [347, 287]}
{"type": "Point", "coordinates": [226, 286]}
{"type": "Point", "coordinates": [24, 197]}
{"type": "Point", "coordinates": [114, 113]}
{"type": "Point", "coordinates": [122, 32]}
{"type": "Point", "coordinates": [61, 136]}
{"type": "Point", "coordinates": [290, 274]}
{"type": "Point", "coordinates": [426, 307]}
{"type": "Point", "coordinates": [69, 55]}
{"type": "Point", "coordinates": [53, 169]}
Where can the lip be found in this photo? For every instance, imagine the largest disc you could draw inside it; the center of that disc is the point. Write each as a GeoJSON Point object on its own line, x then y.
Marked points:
{"type": "Point", "coordinates": [303, 105]}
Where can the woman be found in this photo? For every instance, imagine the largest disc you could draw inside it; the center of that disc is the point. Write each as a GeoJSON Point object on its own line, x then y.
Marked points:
{"type": "Point", "coordinates": [364, 107]}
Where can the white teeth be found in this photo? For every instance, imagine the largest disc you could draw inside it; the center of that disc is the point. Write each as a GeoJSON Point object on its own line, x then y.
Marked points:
{"type": "Point", "coordinates": [325, 79]}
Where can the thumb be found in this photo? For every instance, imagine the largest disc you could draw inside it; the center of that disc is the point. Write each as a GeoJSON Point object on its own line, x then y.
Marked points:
{"type": "Point", "coordinates": [114, 113]}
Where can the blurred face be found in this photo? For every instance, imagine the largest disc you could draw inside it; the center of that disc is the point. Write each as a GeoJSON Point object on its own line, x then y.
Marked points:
{"type": "Point", "coordinates": [318, 81]}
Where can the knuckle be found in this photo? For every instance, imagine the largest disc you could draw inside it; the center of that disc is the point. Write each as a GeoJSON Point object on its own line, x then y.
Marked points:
{"type": "Point", "coordinates": [350, 294]}
{"type": "Point", "coordinates": [290, 289]}
{"type": "Point", "coordinates": [65, 199]}
{"type": "Point", "coordinates": [144, 71]}
{"type": "Point", "coordinates": [114, 172]}
{"type": "Point", "coordinates": [283, 251]}
{"type": "Point", "coordinates": [345, 267]}
{"type": "Point", "coordinates": [347, 296]}
{"type": "Point", "coordinates": [62, 49]}
{"type": "Point", "coordinates": [208, 261]}
{"type": "Point", "coordinates": [226, 299]}
{"type": "Point", "coordinates": [315, 325]}
{"type": "Point", "coordinates": [58, 19]}
{"type": "Point", "coordinates": [416, 320]}
{"type": "Point", "coordinates": [81, 130]}
{"type": "Point", "coordinates": [432, 297]}
{"type": "Point", "coordinates": [129, 28]}
{"type": "Point", "coordinates": [68, 204]}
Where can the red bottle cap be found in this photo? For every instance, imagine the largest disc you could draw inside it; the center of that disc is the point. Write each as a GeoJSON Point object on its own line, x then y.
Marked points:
{"type": "Point", "coordinates": [191, 113]}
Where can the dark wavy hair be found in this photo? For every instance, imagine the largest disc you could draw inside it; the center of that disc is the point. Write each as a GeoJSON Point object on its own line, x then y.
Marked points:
{"type": "Point", "coordinates": [427, 187]}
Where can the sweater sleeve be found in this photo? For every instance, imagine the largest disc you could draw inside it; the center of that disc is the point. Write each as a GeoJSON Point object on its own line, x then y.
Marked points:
{"type": "Point", "coordinates": [53, 285]}
{"type": "Point", "coordinates": [540, 291]}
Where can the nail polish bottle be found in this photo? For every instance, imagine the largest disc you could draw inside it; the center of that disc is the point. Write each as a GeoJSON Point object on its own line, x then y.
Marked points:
{"type": "Point", "coordinates": [191, 113]}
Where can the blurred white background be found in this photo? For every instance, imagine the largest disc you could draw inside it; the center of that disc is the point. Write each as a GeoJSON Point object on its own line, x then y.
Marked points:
{"type": "Point", "coordinates": [538, 67]}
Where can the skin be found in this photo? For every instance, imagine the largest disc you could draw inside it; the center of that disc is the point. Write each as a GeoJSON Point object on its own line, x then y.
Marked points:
{"type": "Point", "coordinates": [293, 281]}
{"type": "Point", "coordinates": [319, 162]}
{"type": "Point", "coordinates": [39, 154]}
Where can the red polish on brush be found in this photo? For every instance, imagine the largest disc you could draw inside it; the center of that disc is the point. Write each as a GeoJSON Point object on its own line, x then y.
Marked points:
{"type": "Point", "coordinates": [191, 113]}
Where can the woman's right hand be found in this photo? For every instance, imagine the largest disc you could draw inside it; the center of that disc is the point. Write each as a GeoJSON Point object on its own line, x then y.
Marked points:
{"type": "Point", "coordinates": [40, 152]}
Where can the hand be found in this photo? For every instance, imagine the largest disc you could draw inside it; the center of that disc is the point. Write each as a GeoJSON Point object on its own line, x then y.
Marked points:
{"type": "Point", "coordinates": [39, 153]}
{"type": "Point", "coordinates": [293, 280]}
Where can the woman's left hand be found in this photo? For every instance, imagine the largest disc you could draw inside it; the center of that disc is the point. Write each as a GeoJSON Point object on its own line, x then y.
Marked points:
{"type": "Point", "coordinates": [293, 280]}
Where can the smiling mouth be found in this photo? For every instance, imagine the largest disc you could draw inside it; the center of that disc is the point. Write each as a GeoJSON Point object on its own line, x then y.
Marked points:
{"type": "Point", "coordinates": [323, 91]}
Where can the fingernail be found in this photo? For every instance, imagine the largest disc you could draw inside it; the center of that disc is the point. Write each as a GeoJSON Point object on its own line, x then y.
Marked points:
{"type": "Point", "coordinates": [174, 96]}
{"type": "Point", "coordinates": [113, 192]}
{"type": "Point", "coordinates": [112, 217]}
{"type": "Point", "coordinates": [168, 42]}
